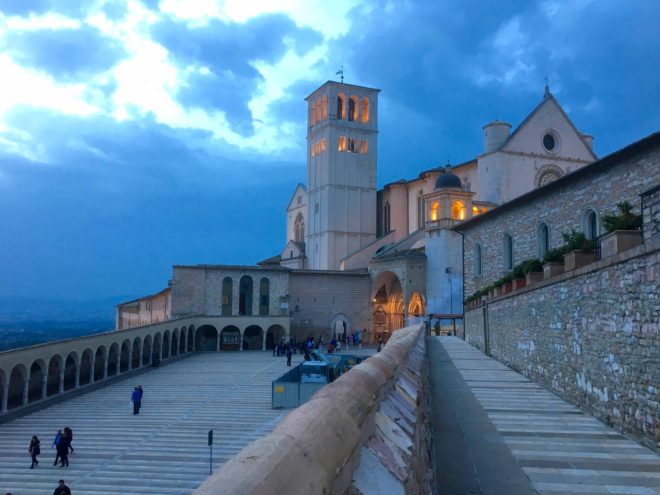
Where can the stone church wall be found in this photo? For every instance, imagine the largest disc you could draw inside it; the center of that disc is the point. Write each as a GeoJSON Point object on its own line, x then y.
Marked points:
{"type": "Point", "coordinates": [651, 213]}
{"type": "Point", "coordinates": [317, 298]}
{"type": "Point", "coordinates": [592, 338]}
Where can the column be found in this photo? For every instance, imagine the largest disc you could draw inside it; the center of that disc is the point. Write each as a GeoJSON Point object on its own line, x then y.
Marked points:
{"type": "Point", "coordinates": [26, 388]}
{"type": "Point", "coordinates": [106, 363]}
{"type": "Point", "coordinates": [194, 347]}
{"type": "Point", "coordinates": [60, 389]}
{"type": "Point", "coordinates": [130, 359]}
{"type": "Point", "coordinates": [263, 340]}
{"type": "Point", "coordinates": [217, 347]}
{"type": "Point", "coordinates": [77, 384]}
{"type": "Point", "coordinates": [160, 351]}
{"type": "Point", "coordinates": [240, 339]}
{"type": "Point", "coordinates": [184, 340]}
{"type": "Point", "coordinates": [5, 398]}
{"type": "Point", "coordinates": [44, 387]}
{"type": "Point", "coordinates": [93, 371]}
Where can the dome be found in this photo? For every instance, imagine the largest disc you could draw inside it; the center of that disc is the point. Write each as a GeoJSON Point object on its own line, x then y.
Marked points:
{"type": "Point", "coordinates": [448, 179]}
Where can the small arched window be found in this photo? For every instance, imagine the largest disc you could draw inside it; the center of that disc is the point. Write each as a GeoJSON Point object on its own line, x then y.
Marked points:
{"type": "Point", "coordinates": [386, 218]}
{"type": "Point", "coordinates": [364, 110]}
{"type": "Point", "coordinates": [543, 240]}
{"type": "Point", "coordinates": [352, 108]}
{"type": "Point", "coordinates": [507, 252]}
{"type": "Point", "coordinates": [478, 269]}
{"type": "Point", "coordinates": [245, 296]}
{"type": "Point", "coordinates": [420, 210]}
{"type": "Point", "coordinates": [264, 296]}
{"type": "Point", "coordinates": [590, 224]}
{"type": "Point", "coordinates": [341, 104]}
{"type": "Point", "coordinates": [458, 210]}
{"type": "Point", "coordinates": [435, 211]}
{"type": "Point", "coordinates": [299, 229]}
{"type": "Point", "coordinates": [226, 296]}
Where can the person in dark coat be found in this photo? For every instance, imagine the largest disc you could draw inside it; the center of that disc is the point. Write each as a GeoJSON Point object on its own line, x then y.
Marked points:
{"type": "Point", "coordinates": [289, 353]}
{"type": "Point", "coordinates": [68, 434]}
{"type": "Point", "coordinates": [62, 489]}
{"type": "Point", "coordinates": [136, 399]}
{"type": "Point", "coordinates": [63, 451]}
{"type": "Point", "coordinates": [56, 442]}
{"type": "Point", "coordinates": [34, 450]}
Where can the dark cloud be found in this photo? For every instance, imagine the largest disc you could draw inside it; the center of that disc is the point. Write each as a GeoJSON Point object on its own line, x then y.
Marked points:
{"type": "Point", "coordinates": [227, 50]}
{"type": "Point", "coordinates": [65, 53]}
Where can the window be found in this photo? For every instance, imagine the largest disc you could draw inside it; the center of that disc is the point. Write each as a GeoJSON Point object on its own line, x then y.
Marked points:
{"type": "Point", "coordinates": [478, 268]}
{"type": "Point", "coordinates": [147, 305]}
{"type": "Point", "coordinates": [324, 107]}
{"type": "Point", "coordinates": [363, 147]}
{"type": "Point", "coordinates": [264, 297]}
{"type": "Point", "coordinates": [299, 229]}
{"type": "Point", "coordinates": [386, 218]}
{"type": "Point", "coordinates": [318, 110]}
{"type": "Point", "coordinates": [543, 240]}
{"type": "Point", "coordinates": [245, 296]}
{"type": "Point", "coordinates": [458, 210]}
{"type": "Point", "coordinates": [341, 143]}
{"type": "Point", "coordinates": [340, 106]}
{"type": "Point", "coordinates": [435, 210]}
{"type": "Point", "coordinates": [352, 108]}
{"type": "Point", "coordinates": [590, 224]}
{"type": "Point", "coordinates": [226, 296]}
{"type": "Point", "coordinates": [508, 252]}
{"type": "Point", "coordinates": [364, 110]}
{"type": "Point", "coordinates": [420, 210]}
{"type": "Point", "coordinates": [550, 141]}
{"type": "Point", "coordinates": [299, 200]}
{"type": "Point", "coordinates": [352, 145]}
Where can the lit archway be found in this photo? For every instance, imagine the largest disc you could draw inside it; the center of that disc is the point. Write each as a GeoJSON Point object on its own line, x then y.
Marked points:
{"type": "Point", "coordinates": [388, 309]}
{"type": "Point", "coordinates": [416, 306]}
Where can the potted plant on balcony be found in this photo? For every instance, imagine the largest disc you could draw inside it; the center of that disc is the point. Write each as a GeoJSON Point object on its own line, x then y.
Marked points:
{"type": "Point", "coordinates": [580, 251]}
{"type": "Point", "coordinates": [623, 230]}
{"type": "Point", "coordinates": [507, 283]}
{"type": "Point", "coordinates": [533, 271]}
{"type": "Point", "coordinates": [553, 262]}
{"type": "Point", "coordinates": [518, 276]}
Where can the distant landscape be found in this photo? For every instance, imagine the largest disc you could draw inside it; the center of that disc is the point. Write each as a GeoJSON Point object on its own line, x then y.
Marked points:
{"type": "Point", "coordinates": [30, 321]}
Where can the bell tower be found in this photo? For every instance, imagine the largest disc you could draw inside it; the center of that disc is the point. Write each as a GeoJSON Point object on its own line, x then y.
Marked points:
{"type": "Point", "coordinates": [342, 130]}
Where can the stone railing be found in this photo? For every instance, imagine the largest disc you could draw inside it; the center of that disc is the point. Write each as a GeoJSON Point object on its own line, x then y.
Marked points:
{"type": "Point", "coordinates": [317, 447]}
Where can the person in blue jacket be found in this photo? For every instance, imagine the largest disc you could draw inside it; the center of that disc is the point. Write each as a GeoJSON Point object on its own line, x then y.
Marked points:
{"type": "Point", "coordinates": [136, 399]}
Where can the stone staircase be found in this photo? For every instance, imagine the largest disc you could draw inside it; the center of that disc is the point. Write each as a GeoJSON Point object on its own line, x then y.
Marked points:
{"type": "Point", "coordinates": [163, 450]}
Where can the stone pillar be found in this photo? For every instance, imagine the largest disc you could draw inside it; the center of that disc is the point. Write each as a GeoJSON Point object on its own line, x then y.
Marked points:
{"type": "Point", "coordinates": [184, 340]}
{"type": "Point", "coordinates": [193, 343]}
{"type": "Point", "coordinates": [93, 371]}
{"type": "Point", "coordinates": [44, 387]}
{"type": "Point", "coordinates": [160, 352]}
{"type": "Point", "coordinates": [60, 389]}
{"type": "Point", "coordinates": [5, 398]}
{"type": "Point", "coordinates": [106, 363]}
{"type": "Point", "coordinates": [26, 388]}
{"type": "Point", "coordinates": [130, 359]}
{"type": "Point", "coordinates": [263, 340]}
{"type": "Point", "coordinates": [77, 384]}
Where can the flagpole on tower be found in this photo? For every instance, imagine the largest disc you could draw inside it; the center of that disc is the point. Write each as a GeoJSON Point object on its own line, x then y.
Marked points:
{"type": "Point", "coordinates": [341, 71]}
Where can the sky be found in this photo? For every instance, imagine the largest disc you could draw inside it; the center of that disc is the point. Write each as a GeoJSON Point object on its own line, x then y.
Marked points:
{"type": "Point", "coordinates": [139, 134]}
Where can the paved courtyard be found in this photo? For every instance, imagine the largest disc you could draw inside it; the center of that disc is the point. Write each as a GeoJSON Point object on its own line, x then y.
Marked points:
{"type": "Point", "coordinates": [496, 432]}
{"type": "Point", "coordinates": [164, 449]}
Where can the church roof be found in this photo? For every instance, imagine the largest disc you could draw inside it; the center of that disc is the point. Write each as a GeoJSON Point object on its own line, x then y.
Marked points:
{"type": "Point", "coordinates": [448, 179]}
{"type": "Point", "coordinates": [613, 159]}
{"type": "Point", "coordinates": [337, 83]}
{"type": "Point", "coordinates": [400, 248]}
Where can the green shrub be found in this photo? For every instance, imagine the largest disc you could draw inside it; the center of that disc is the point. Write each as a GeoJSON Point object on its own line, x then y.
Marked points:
{"type": "Point", "coordinates": [577, 241]}
{"type": "Point", "coordinates": [556, 254]}
{"type": "Point", "coordinates": [626, 219]}
{"type": "Point", "coordinates": [534, 265]}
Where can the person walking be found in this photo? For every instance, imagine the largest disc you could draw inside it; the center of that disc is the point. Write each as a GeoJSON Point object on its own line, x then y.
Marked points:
{"type": "Point", "coordinates": [68, 435]}
{"type": "Point", "coordinates": [136, 399]}
{"type": "Point", "coordinates": [63, 451]}
{"type": "Point", "coordinates": [56, 442]}
{"type": "Point", "coordinates": [289, 353]}
{"type": "Point", "coordinates": [62, 489]}
{"type": "Point", "coordinates": [34, 450]}
{"type": "Point", "coordinates": [380, 344]}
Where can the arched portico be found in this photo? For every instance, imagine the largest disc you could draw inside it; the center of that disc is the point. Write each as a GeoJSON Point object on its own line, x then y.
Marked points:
{"type": "Point", "coordinates": [191, 338]}
{"type": "Point", "coordinates": [55, 371]}
{"type": "Point", "coordinates": [158, 347]}
{"type": "Point", "coordinates": [99, 363]}
{"type": "Point", "coordinates": [146, 351]}
{"type": "Point", "coordinates": [230, 339]}
{"type": "Point", "coordinates": [388, 310]}
{"type": "Point", "coordinates": [86, 367]}
{"type": "Point", "coordinates": [18, 387]}
{"type": "Point", "coordinates": [253, 338]}
{"type": "Point", "coordinates": [124, 359]}
{"type": "Point", "coordinates": [113, 360]}
{"type": "Point", "coordinates": [166, 344]}
{"type": "Point", "coordinates": [206, 338]}
{"type": "Point", "coordinates": [136, 353]}
{"type": "Point", "coordinates": [274, 335]}
{"type": "Point", "coordinates": [71, 370]}
{"type": "Point", "coordinates": [38, 380]}
{"type": "Point", "coordinates": [175, 343]}
{"type": "Point", "coordinates": [340, 326]}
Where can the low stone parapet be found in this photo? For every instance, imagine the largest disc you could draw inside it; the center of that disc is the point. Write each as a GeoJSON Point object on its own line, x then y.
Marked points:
{"type": "Point", "coordinates": [316, 448]}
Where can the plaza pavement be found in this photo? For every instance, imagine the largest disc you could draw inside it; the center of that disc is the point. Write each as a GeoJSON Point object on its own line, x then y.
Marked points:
{"type": "Point", "coordinates": [163, 450]}
{"type": "Point", "coordinates": [497, 433]}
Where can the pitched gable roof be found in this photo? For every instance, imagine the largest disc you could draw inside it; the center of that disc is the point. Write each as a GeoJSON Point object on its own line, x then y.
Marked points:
{"type": "Point", "coordinates": [299, 188]}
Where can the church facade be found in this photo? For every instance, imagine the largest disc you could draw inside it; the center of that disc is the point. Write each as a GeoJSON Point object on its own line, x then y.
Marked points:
{"type": "Point", "coordinates": [376, 260]}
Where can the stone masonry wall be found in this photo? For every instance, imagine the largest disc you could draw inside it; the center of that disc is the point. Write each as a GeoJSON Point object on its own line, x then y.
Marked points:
{"type": "Point", "coordinates": [591, 338]}
{"type": "Point", "coordinates": [651, 213]}
{"type": "Point", "coordinates": [561, 208]}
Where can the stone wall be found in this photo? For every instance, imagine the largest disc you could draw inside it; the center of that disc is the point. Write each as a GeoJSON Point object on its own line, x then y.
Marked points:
{"type": "Point", "coordinates": [317, 447]}
{"type": "Point", "coordinates": [561, 205]}
{"type": "Point", "coordinates": [651, 213]}
{"type": "Point", "coordinates": [591, 336]}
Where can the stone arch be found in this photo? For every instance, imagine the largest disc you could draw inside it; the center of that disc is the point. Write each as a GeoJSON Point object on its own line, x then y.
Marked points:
{"type": "Point", "coordinates": [38, 372]}
{"type": "Point", "coordinates": [175, 343]}
{"type": "Point", "coordinates": [547, 174]}
{"type": "Point", "coordinates": [166, 344]}
{"type": "Point", "coordinates": [364, 110]}
{"type": "Point", "coordinates": [388, 310]}
{"type": "Point", "coordinates": [253, 338]}
{"type": "Point", "coordinates": [123, 356]}
{"type": "Point", "coordinates": [341, 106]}
{"type": "Point", "coordinates": [136, 353]}
{"type": "Point", "coordinates": [191, 338]}
{"type": "Point", "coordinates": [353, 107]}
{"type": "Point", "coordinates": [158, 347]}
{"type": "Point", "coordinates": [507, 252]}
{"type": "Point", "coordinates": [17, 380]}
{"type": "Point", "coordinates": [146, 350]}
{"type": "Point", "coordinates": [55, 368]}
{"type": "Point", "coordinates": [71, 365]}
{"type": "Point", "coordinates": [99, 363]}
{"type": "Point", "coordinates": [340, 326]}
{"type": "Point", "coordinates": [206, 338]}
{"type": "Point", "coordinates": [230, 338]}
{"type": "Point", "coordinates": [478, 264]}
{"type": "Point", "coordinates": [416, 304]}
{"type": "Point", "coordinates": [458, 210]}
{"type": "Point", "coordinates": [4, 381]}
{"type": "Point", "coordinates": [542, 239]}
{"type": "Point", "coordinates": [590, 223]}
{"type": "Point", "coordinates": [113, 360]}
{"type": "Point", "coordinates": [183, 334]}
{"type": "Point", "coordinates": [245, 296]}
{"type": "Point", "coordinates": [274, 335]}
{"type": "Point", "coordinates": [299, 228]}
{"type": "Point", "coordinates": [86, 370]}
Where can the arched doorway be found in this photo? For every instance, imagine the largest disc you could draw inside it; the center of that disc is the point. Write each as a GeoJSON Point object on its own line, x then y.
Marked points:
{"type": "Point", "coordinates": [253, 338]}
{"type": "Point", "coordinates": [274, 335]}
{"type": "Point", "coordinates": [191, 338]}
{"type": "Point", "coordinates": [113, 360]}
{"type": "Point", "coordinates": [86, 364]}
{"type": "Point", "coordinates": [207, 338]}
{"type": "Point", "coordinates": [416, 306]}
{"type": "Point", "coordinates": [123, 357]}
{"type": "Point", "coordinates": [175, 343]}
{"type": "Point", "coordinates": [70, 371]}
{"type": "Point", "coordinates": [157, 347]}
{"type": "Point", "coordinates": [136, 353]}
{"type": "Point", "coordinates": [182, 340]}
{"type": "Point", "coordinates": [146, 351]}
{"type": "Point", "coordinates": [388, 305]}
{"type": "Point", "coordinates": [99, 363]}
{"type": "Point", "coordinates": [54, 369]}
{"type": "Point", "coordinates": [340, 327]}
{"type": "Point", "coordinates": [37, 374]}
{"type": "Point", "coordinates": [230, 339]}
{"type": "Point", "coordinates": [166, 344]}
{"type": "Point", "coordinates": [17, 380]}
